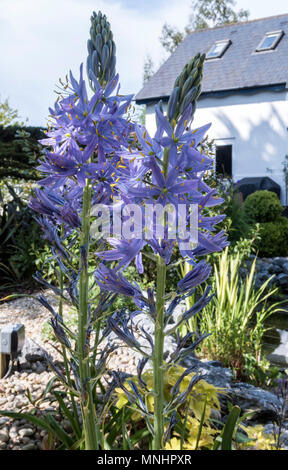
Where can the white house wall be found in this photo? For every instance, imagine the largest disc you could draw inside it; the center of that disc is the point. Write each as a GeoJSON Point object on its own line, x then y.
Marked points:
{"type": "Point", "coordinates": [256, 126]}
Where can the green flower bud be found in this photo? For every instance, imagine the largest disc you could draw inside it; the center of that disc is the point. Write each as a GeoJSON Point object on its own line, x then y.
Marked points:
{"type": "Point", "coordinates": [172, 103]}
{"type": "Point", "coordinates": [105, 57]}
{"type": "Point", "coordinates": [189, 98]}
{"type": "Point", "coordinates": [98, 43]}
{"type": "Point", "coordinates": [187, 88]}
{"type": "Point", "coordinates": [101, 58]}
{"type": "Point", "coordinates": [104, 35]}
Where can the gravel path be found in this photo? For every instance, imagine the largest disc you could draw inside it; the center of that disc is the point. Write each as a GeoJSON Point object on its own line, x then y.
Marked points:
{"type": "Point", "coordinates": [34, 375]}
{"type": "Point", "coordinates": [18, 434]}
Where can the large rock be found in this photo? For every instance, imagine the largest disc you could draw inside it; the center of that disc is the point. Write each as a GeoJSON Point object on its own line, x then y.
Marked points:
{"type": "Point", "coordinates": [211, 371]}
{"type": "Point", "coordinates": [275, 269]}
{"type": "Point", "coordinates": [285, 267]}
{"type": "Point", "coordinates": [280, 354]}
{"type": "Point", "coordinates": [264, 404]}
{"type": "Point", "coordinates": [282, 279]}
{"type": "Point", "coordinates": [31, 352]}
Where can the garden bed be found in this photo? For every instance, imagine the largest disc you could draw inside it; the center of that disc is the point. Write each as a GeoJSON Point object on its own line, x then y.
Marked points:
{"type": "Point", "coordinates": [33, 374]}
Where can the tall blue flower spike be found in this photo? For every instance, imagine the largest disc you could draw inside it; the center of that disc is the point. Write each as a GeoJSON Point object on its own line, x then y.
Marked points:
{"type": "Point", "coordinates": [94, 154]}
{"type": "Point", "coordinates": [82, 149]}
{"type": "Point", "coordinates": [172, 166]}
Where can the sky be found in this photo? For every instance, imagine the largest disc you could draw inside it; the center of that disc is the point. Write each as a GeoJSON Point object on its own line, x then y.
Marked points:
{"type": "Point", "coordinates": [41, 40]}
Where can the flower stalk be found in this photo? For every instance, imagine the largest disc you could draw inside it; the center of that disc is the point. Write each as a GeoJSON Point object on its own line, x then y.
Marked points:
{"type": "Point", "coordinates": [64, 354]}
{"type": "Point", "coordinates": [89, 416]}
{"type": "Point", "coordinates": [158, 356]}
{"type": "Point", "coordinates": [158, 360]}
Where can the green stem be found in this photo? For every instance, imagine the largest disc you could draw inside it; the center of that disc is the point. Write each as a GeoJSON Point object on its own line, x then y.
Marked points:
{"type": "Point", "coordinates": [65, 359]}
{"type": "Point", "coordinates": [96, 341]}
{"type": "Point", "coordinates": [158, 369]}
{"type": "Point", "coordinates": [87, 403]}
{"type": "Point", "coordinates": [158, 365]}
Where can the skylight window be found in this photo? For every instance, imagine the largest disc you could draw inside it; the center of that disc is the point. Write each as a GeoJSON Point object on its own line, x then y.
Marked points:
{"type": "Point", "coordinates": [270, 41]}
{"type": "Point", "coordinates": [218, 49]}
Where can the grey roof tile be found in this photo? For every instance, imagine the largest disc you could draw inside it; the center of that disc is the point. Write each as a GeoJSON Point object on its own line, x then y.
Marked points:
{"type": "Point", "coordinates": [240, 66]}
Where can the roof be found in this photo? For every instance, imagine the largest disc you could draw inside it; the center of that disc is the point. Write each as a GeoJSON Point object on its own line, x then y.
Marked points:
{"type": "Point", "coordinates": [239, 68]}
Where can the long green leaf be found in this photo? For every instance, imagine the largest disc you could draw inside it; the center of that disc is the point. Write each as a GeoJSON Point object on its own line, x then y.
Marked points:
{"type": "Point", "coordinates": [67, 413]}
{"type": "Point", "coordinates": [201, 424]}
{"type": "Point", "coordinates": [59, 432]}
{"type": "Point", "coordinates": [230, 428]}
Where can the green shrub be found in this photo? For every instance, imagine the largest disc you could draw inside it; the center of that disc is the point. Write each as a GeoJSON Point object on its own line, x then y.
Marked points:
{"type": "Point", "coordinates": [21, 239]}
{"type": "Point", "coordinates": [262, 206]}
{"type": "Point", "coordinates": [273, 238]}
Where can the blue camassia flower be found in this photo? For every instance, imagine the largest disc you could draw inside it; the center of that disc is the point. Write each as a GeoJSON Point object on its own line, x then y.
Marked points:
{"type": "Point", "coordinates": [182, 184]}
{"type": "Point", "coordinates": [85, 133]}
{"type": "Point", "coordinates": [114, 281]}
{"type": "Point", "coordinates": [196, 276]}
{"type": "Point", "coordinates": [125, 251]}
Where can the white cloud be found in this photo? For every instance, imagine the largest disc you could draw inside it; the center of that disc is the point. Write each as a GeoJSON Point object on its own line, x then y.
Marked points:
{"type": "Point", "coordinates": [40, 40]}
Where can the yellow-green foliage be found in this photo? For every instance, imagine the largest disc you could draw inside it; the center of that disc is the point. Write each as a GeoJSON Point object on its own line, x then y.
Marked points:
{"type": "Point", "coordinates": [186, 435]}
{"type": "Point", "coordinates": [206, 440]}
{"type": "Point", "coordinates": [258, 439]}
{"type": "Point", "coordinates": [201, 393]}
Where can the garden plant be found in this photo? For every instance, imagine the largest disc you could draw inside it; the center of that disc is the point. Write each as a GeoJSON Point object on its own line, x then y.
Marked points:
{"type": "Point", "coordinates": [237, 318]}
{"type": "Point", "coordinates": [99, 165]}
{"type": "Point", "coordinates": [264, 208]}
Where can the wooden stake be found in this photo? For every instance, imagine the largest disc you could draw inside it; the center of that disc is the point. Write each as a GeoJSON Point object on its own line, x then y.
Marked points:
{"type": "Point", "coordinates": [4, 363]}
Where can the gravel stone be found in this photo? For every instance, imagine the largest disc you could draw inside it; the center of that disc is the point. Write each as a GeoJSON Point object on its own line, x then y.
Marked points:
{"type": "Point", "coordinates": [4, 436]}
{"type": "Point", "coordinates": [26, 432]}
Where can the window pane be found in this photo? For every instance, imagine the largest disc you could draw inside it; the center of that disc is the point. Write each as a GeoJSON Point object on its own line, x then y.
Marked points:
{"type": "Point", "coordinates": [270, 41]}
{"type": "Point", "coordinates": [217, 49]}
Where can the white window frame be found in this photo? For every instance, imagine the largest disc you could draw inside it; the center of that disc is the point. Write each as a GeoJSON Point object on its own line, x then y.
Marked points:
{"type": "Point", "coordinates": [278, 36]}
{"type": "Point", "coordinates": [226, 43]}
